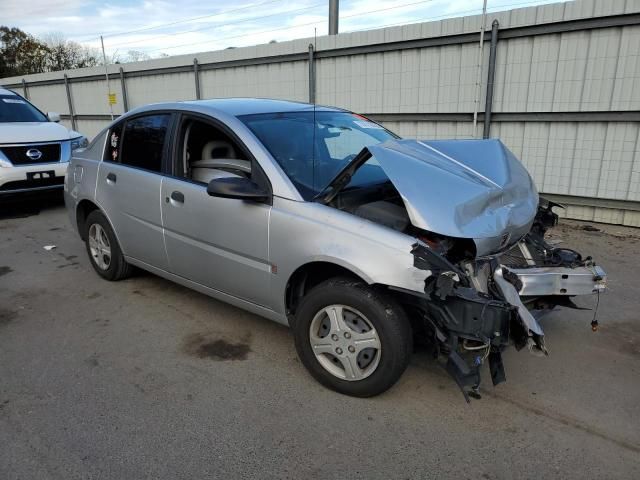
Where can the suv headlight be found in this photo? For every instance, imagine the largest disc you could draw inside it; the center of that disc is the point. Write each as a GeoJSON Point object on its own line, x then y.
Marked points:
{"type": "Point", "coordinates": [80, 142]}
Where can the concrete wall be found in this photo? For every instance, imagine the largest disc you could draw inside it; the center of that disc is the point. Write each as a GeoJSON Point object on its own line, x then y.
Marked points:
{"type": "Point", "coordinates": [566, 95]}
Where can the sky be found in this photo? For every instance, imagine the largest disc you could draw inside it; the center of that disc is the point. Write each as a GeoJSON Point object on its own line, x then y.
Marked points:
{"type": "Point", "coordinates": [158, 27]}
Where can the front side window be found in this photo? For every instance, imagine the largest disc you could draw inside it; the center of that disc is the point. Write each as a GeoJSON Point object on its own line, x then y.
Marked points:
{"type": "Point", "coordinates": [16, 109]}
{"type": "Point", "coordinates": [207, 152]}
{"type": "Point", "coordinates": [140, 143]}
{"type": "Point", "coordinates": [313, 148]}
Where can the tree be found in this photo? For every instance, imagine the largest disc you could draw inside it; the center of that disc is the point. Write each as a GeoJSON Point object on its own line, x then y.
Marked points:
{"type": "Point", "coordinates": [66, 54]}
{"type": "Point", "coordinates": [23, 54]}
{"type": "Point", "coordinates": [136, 56]}
{"type": "Point", "coordinates": [20, 53]}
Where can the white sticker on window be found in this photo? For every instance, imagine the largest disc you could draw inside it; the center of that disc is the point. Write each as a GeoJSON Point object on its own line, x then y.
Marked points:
{"type": "Point", "coordinates": [365, 124]}
{"type": "Point", "coordinates": [12, 100]}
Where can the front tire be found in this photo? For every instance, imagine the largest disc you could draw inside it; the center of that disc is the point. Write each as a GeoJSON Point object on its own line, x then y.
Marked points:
{"type": "Point", "coordinates": [103, 248]}
{"type": "Point", "coordinates": [352, 338]}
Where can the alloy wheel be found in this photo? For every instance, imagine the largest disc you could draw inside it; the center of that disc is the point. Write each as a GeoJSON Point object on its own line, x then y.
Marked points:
{"type": "Point", "coordinates": [345, 342]}
{"type": "Point", "coordinates": [99, 246]}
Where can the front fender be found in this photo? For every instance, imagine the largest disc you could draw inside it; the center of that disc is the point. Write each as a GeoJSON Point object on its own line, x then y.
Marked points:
{"type": "Point", "coordinates": [305, 232]}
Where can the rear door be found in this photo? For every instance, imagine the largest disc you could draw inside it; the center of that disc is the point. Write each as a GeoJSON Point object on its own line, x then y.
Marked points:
{"type": "Point", "coordinates": [128, 187]}
{"type": "Point", "coordinates": [221, 243]}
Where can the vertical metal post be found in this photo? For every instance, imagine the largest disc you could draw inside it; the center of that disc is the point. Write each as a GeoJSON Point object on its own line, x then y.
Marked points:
{"type": "Point", "coordinates": [312, 75]}
{"type": "Point", "coordinates": [71, 112]}
{"type": "Point", "coordinates": [334, 9]}
{"type": "Point", "coordinates": [106, 75]}
{"type": "Point", "coordinates": [25, 90]}
{"type": "Point", "coordinates": [479, 70]}
{"type": "Point", "coordinates": [197, 77]}
{"type": "Point", "coordinates": [123, 88]}
{"type": "Point", "coordinates": [488, 105]}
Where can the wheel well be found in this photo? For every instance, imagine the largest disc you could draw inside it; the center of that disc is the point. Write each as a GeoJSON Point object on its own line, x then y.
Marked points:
{"type": "Point", "coordinates": [308, 276]}
{"type": "Point", "coordinates": [85, 207]}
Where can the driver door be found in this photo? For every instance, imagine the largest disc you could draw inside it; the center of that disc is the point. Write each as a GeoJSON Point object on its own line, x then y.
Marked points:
{"type": "Point", "coordinates": [221, 243]}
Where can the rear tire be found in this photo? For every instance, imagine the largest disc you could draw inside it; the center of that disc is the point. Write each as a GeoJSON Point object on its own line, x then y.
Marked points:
{"type": "Point", "coordinates": [104, 251]}
{"type": "Point", "coordinates": [352, 338]}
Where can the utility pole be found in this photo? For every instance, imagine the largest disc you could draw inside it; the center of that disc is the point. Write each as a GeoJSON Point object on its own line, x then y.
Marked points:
{"type": "Point", "coordinates": [106, 75]}
{"type": "Point", "coordinates": [333, 17]}
{"type": "Point", "coordinates": [479, 74]}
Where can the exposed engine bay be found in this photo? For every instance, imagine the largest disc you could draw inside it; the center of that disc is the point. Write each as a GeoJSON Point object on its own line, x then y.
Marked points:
{"type": "Point", "coordinates": [490, 281]}
{"type": "Point", "coordinates": [474, 307]}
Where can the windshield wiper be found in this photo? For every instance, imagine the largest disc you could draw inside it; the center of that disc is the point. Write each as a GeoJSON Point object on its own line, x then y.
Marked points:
{"type": "Point", "coordinates": [342, 179]}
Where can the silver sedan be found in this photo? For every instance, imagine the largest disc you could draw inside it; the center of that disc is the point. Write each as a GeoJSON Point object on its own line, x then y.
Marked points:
{"type": "Point", "coordinates": [323, 220]}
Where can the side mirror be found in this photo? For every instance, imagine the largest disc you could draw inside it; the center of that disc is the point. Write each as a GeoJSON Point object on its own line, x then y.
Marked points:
{"type": "Point", "coordinates": [53, 116]}
{"type": "Point", "coordinates": [240, 188]}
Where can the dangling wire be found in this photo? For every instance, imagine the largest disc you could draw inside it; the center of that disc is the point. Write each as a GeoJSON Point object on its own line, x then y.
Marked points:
{"type": "Point", "coordinates": [594, 322]}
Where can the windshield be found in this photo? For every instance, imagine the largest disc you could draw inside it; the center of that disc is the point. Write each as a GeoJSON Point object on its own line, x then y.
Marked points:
{"type": "Point", "coordinates": [15, 109]}
{"type": "Point", "coordinates": [339, 137]}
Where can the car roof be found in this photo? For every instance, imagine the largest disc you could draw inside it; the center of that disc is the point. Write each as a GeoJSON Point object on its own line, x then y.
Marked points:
{"type": "Point", "coordinates": [249, 106]}
{"type": "Point", "coordinates": [4, 91]}
{"type": "Point", "coordinates": [238, 106]}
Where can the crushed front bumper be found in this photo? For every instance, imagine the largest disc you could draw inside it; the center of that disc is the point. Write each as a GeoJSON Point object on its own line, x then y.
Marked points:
{"type": "Point", "coordinates": [554, 284]}
{"type": "Point", "coordinates": [473, 312]}
{"type": "Point", "coordinates": [544, 281]}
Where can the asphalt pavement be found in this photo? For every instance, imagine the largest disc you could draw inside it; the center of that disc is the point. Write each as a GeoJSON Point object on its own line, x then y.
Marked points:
{"type": "Point", "coordinates": [147, 379]}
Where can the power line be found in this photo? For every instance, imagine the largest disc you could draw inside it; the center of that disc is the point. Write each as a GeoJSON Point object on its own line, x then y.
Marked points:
{"type": "Point", "coordinates": [236, 36]}
{"type": "Point", "coordinates": [291, 27]}
{"type": "Point", "coordinates": [186, 20]}
{"type": "Point", "coordinates": [153, 27]}
{"type": "Point", "coordinates": [219, 25]}
{"type": "Point", "coordinates": [448, 15]}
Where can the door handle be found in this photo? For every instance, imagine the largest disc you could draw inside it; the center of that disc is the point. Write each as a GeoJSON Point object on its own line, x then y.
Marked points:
{"type": "Point", "coordinates": [176, 197]}
{"type": "Point", "coordinates": [111, 177]}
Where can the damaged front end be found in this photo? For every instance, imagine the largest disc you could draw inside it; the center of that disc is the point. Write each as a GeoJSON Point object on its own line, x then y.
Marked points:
{"type": "Point", "coordinates": [474, 309]}
{"type": "Point", "coordinates": [479, 226]}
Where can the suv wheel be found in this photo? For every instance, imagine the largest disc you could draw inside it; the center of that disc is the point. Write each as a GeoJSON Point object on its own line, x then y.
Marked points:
{"type": "Point", "coordinates": [103, 249]}
{"type": "Point", "coordinates": [352, 338]}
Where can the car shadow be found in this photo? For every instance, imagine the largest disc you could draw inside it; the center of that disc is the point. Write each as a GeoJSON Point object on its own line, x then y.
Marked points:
{"type": "Point", "coordinates": [27, 205]}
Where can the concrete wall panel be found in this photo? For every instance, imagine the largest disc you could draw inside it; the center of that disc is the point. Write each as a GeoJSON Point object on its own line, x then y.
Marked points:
{"type": "Point", "coordinates": [160, 88]}
{"type": "Point", "coordinates": [50, 98]}
{"type": "Point", "coordinates": [90, 128]}
{"type": "Point", "coordinates": [90, 98]}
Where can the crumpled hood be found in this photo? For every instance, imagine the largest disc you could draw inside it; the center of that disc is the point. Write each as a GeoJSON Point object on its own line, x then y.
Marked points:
{"type": "Point", "coordinates": [27, 132]}
{"type": "Point", "coordinates": [462, 188]}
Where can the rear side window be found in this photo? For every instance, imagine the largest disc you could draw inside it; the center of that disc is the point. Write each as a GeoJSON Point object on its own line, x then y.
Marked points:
{"type": "Point", "coordinates": [112, 152]}
{"type": "Point", "coordinates": [142, 142]}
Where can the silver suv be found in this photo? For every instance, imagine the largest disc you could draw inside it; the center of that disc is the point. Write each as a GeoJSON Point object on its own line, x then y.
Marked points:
{"type": "Point", "coordinates": [34, 148]}
{"type": "Point", "coordinates": [325, 221]}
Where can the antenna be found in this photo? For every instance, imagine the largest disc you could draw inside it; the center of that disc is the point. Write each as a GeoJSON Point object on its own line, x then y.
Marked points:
{"type": "Point", "coordinates": [313, 99]}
